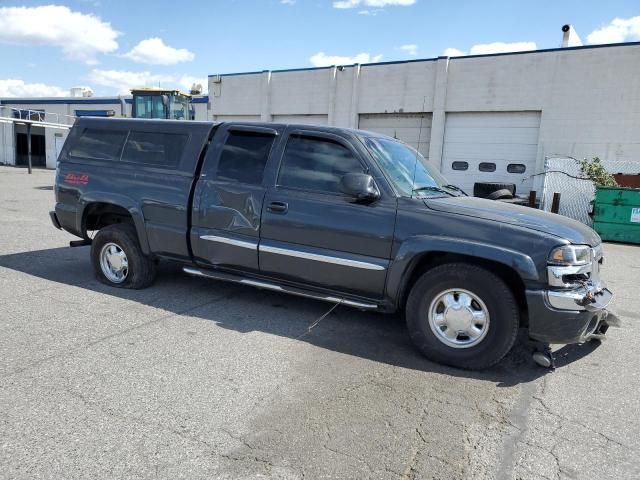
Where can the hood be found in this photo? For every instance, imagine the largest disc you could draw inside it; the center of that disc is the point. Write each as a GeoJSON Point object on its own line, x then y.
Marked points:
{"type": "Point", "coordinates": [550, 223]}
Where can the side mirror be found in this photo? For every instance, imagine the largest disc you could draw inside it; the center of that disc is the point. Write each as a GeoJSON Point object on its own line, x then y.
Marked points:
{"type": "Point", "coordinates": [360, 186]}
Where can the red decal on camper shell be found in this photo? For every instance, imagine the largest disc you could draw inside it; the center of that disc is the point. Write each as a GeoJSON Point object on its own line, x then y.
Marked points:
{"type": "Point", "coordinates": [76, 179]}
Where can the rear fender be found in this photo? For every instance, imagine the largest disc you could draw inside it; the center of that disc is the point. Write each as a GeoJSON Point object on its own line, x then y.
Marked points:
{"type": "Point", "coordinates": [414, 248]}
{"type": "Point", "coordinates": [123, 201]}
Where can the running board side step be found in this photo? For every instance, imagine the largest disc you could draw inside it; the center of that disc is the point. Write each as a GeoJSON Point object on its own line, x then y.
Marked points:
{"type": "Point", "coordinates": [277, 288]}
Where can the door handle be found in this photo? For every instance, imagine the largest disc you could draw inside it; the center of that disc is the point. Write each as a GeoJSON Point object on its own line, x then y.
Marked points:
{"type": "Point", "coordinates": [278, 207]}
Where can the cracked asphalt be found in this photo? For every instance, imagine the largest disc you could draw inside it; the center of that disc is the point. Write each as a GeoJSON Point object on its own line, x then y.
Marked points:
{"type": "Point", "coordinates": [199, 379]}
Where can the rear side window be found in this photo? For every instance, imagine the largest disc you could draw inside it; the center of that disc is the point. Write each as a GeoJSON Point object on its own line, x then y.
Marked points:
{"type": "Point", "coordinates": [311, 163]}
{"type": "Point", "coordinates": [154, 148]}
{"type": "Point", "coordinates": [244, 157]}
{"type": "Point", "coordinates": [98, 144]}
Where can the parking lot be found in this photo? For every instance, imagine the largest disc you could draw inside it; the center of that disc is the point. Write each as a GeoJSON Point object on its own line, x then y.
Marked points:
{"type": "Point", "coordinates": [199, 379]}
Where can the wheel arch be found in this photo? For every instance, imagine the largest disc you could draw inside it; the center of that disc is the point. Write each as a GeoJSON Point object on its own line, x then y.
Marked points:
{"type": "Point", "coordinates": [514, 268]}
{"type": "Point", "coordinates": [98, 211]}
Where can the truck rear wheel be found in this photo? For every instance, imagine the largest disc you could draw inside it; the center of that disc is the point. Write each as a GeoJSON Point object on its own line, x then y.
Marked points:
{"type": "Point", "coordinates": [462, 315]}
{"type": "Point", "coordinates": [118, 260]}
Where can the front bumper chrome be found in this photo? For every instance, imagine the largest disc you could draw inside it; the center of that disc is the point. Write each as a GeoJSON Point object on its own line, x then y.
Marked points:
{"type": "Point", "coordinates": [591, 298]}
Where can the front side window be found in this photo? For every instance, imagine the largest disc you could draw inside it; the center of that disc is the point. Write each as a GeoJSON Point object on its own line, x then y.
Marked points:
{"type": "Point", "coordinates": [98, 144]}
{"type": "Point", "coordinates": [316, 164]}
{"type": "Point", "coordinates": [244, 157]}
{"type": "Point", "coordinates": [154, 148]}
{"type": "Point", "coordinates": [149, 106]}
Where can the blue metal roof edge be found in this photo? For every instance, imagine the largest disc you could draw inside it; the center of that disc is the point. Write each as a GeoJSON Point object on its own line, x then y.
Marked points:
{"type": "Point", "coordinates": [433, 59]}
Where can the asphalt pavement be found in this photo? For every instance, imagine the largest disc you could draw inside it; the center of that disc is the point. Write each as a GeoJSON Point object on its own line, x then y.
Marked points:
{"type": "Point", "coordinates": [194, 378]}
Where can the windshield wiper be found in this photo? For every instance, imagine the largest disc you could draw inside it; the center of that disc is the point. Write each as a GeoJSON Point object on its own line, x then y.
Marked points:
{"type": "Point", "coordinates": [457, 189]}
{"type": "Point", "coordinates": [432, 189]}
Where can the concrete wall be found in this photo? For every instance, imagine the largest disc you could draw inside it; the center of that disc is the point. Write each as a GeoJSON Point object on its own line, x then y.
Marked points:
{"type": "Point", "coordinates": [589, 97]}
{"type": "Point", "coordinates": [7, 148]}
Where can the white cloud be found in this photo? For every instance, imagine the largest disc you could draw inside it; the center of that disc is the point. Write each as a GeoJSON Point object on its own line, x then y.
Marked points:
{"type": "Point", "coordinates": [186, 81]}
{"type": "Point", "coordinates": [453, 52]}
{"type": "Point", "coordinates": [122, 81]}
{"type": "Point", "coordinates": [155, 52]}
{"type": "Point", "coordinates": [288, 2]}
{"type": "Point", "coordinates": [372, 3]}
{"type": "Point", "coordinates": [410, 49]}
{"type": "Point", "coordinates": [617, 31]}
{"type": "Point", "coordinates": [18, 88]}
{"type": "Point", "coordinates": [487, 48]}
{"type": "Point", "coordinates": [321, 59]}
{"type": "Point", "coordinates": [80, 36]}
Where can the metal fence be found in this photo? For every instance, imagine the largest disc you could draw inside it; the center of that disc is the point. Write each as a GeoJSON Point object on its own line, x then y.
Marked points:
{"type": "Point", "coordinates": [42, 118]}
{"type": "Point", "coordinates": [575, 194]}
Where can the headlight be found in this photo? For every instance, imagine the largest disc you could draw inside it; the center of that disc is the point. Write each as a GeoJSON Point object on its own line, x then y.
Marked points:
{"type": "Point", "coordinates": [570, 255]}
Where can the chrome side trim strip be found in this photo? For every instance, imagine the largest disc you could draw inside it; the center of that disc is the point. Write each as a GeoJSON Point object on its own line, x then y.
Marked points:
{"type": "Point", "coordinates": [278, 288]}
{"type": "Point", "coordinates": [230, 241]}
{"type": "Point", "coordinates": [321, 258]}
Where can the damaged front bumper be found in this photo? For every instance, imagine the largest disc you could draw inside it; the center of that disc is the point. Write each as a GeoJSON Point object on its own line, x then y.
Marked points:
{"type": "Point", "coordinates": [570, 316]}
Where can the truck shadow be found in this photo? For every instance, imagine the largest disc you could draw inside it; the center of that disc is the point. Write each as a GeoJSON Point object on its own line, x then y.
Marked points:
{"type": "Point", "coordinates": [373, 336]}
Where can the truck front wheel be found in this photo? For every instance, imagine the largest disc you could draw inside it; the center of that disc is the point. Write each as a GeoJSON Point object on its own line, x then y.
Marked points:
{"type": "Point", "coordinates": [462, 315]}
{"type": "Point", "coordinates": [118, 260]}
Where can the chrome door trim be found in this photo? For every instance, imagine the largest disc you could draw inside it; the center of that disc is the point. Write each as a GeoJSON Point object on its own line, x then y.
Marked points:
{"type": "Point", "coordinates": [321, 258]}
{"type": "Point", "coordinates": [230, 241]}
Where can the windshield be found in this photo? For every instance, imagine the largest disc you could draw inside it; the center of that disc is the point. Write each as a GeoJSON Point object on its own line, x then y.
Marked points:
{"type": "Point", "coordinates": [400, 161]}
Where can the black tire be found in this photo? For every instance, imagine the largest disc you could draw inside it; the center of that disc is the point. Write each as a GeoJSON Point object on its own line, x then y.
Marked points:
{"type": "Point", "coordinates": [484, 189]}
{"type": "Point", "coordinates": [500, 194]}
{"type": "Point", "coordinates": [503, 324]}
{"type": "Point", "coordinates": [141, 269]}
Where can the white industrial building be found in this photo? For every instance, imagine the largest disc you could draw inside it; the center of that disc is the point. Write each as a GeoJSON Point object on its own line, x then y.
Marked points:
{"type": "Point", "coordinates": [479, 118]}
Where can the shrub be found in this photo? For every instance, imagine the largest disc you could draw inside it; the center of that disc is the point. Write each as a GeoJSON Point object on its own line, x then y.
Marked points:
{"type": "Point", "coordinates": [595, 171]}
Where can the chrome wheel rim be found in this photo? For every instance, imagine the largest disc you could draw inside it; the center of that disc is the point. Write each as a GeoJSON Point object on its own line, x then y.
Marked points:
{"type": "Point", "coordinates": [459, 318]}
{"type": "Point", "coordinates": [114, 263]}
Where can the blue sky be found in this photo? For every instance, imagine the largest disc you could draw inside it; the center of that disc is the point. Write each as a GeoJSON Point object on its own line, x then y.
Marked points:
{"type": "Point", "coordinates": [111, 45]}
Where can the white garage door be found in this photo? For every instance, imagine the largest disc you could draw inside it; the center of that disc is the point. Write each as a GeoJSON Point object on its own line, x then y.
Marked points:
{"type": "Point", "coordinates": [304, 119]}
{"type": "Point", "coordinates": [411, 128]}
{"type": "Point", "coordinates": [491, 147]}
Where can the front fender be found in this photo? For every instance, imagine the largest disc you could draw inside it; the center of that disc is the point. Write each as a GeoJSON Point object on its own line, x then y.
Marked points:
{"type": "Point", "coordinates": [412, 249]}
{"type": "Point", "coordinates": [120, 201]}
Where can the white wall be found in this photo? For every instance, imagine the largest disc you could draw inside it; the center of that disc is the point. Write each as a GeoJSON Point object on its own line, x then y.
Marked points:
{"type": "Point", "coordinates": [589, 98]}
{"type": "Point", "coordinates": [7, 149]}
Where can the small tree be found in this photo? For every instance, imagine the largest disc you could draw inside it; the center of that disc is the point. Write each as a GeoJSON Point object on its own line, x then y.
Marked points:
{"type": "Point", "coordinates": [595, 171]}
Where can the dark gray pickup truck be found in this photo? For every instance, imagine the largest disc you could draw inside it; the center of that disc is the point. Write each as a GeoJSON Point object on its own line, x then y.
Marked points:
{"type": "Point", "coordinates": [340, 215]}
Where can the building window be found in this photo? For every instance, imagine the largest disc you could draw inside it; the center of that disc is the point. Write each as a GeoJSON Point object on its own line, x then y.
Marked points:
{"type": "Point", "coordinates": [516, 168]}
{"type": "Point", "coordinates": [316, 164]}
{"type": "Point", "coordinates": [154, 148]}
{"type": "Point", "coordinates": [244, 157]}
{"type": "Point", "coordinates": [487, 167]}
{"type": "Point", "coordinates": [460, 165]}
{"type": "Point", "coordinates": [98, 144]}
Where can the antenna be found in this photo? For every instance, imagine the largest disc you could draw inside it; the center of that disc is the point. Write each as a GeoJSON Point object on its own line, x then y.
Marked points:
{"type": "Point", "coordinates": [415, 165]}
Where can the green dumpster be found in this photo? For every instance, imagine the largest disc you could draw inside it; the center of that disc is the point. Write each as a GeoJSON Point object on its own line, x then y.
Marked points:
{"type": "Point", "coordinates": [616, 214]}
